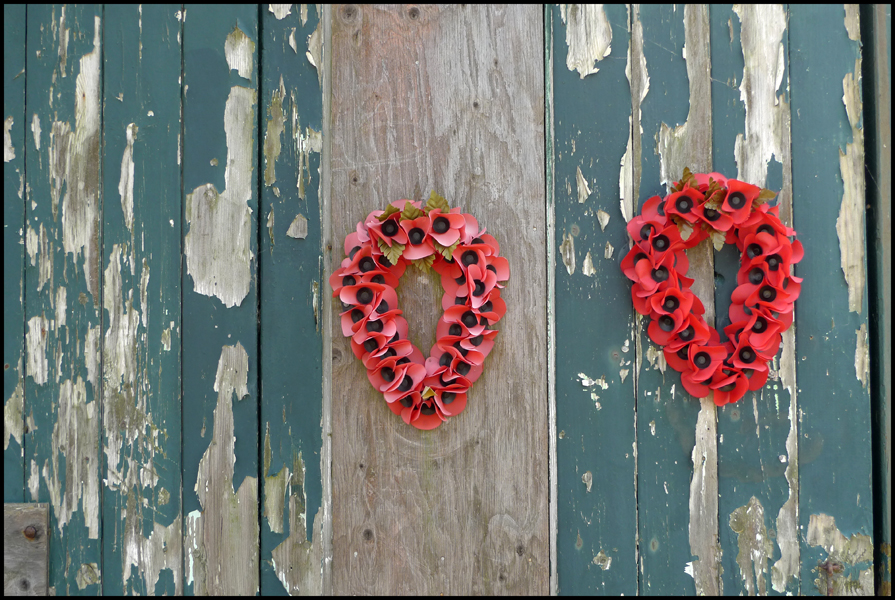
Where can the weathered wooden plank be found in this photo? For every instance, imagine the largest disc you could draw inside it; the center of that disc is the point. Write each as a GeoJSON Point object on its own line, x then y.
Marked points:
{"type": "Point", "coordinates": [876, 30]}
{"type": "Point", "coordinates": [13, 251]}
{"type": "Point", "coordinates": [63, 285]}
{"type": "Point", "coordinates": [597, 512]}
{"type": "Point", "coordinates": [290, 284]}
{"type": "Point", "coordinates": [449, 99]}
{"type": "Point", "coordinates": [220, 313]}
{"type": "Point", "coordinates": [141, 297]}
{"type": "Point", "coordinates": [676, 434]}
{"type": "Point", "coordinates": [835, 496]}
{"type": "Point", "coordinates": [25, 549]}
{"type": "Point", "coordinates": [758, 435]}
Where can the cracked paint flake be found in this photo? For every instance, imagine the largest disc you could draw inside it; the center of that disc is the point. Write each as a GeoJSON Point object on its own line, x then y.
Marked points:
{"type": "Point", "coordinates": [590, 382]}
{"type": "Point", "coordinates": [841, 551]}
{"type": "Point", "coordinates": [9, 153]}
{"type": "Point", "coordinates": [221, 541]}
{"type": "Point", "coordinates": [608, 250]}
{"type": "Point", "coordinates": [567, 252]}
{"type": "Point", "coordinates": [299, 227]}
{"type": "Point", "coordinates": [583, 189]}
{"type": "Point", "coordinates": [862, 356]}
{"type": "Point", "coordinates": [703, 526]}
{"type": "Point", "coordinates": [88, 574]}
{"type": "Point", "coordinates": [280, 11]}
{"type": "Point", "coordinates": [638, 80]}
{"type": "Point", "coordinates": [850, 224]}
{"type": "Point", "coordinates": [602, 560]}
{"type": "Point", "coordinates": [852, 22]}
{"type": "Point", "coordinates": [126, 181]}
{"type": "Point", "coordinates": [218, 243]}
{"type": "Point", "coordinates": [292, 43]}
{"type": "Point", "coordinates": [13, 417]}
{"type": "Point", "coordinates": [36, 346]}
{"type": "Point", "coordinates": [275, 125]}
{"type": "Point", "coordinates": [240, 51]}
{"type": "Point", "coordinates": [315, 50]}
{"type": "Point", "coordinates": [588, 480]}
{"type": "Point", "coordinates": [61, 306]}
{"type": "Point", "coordinates": [603, 219]}
{"type": "Point", "coordinates": [35, 130]}
{"type": "Point", "coordinates": [588, 36]}
{"type": "Point", "coordinates": [588, 267]}
{"type": "Point", "coordinates": [755, 547]}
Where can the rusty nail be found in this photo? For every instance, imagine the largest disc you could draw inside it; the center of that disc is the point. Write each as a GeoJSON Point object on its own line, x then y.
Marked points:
{"type": "Point", "coordinates": [30, 532]}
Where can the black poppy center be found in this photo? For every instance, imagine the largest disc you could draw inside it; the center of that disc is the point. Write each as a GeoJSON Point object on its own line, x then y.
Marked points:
{"type": "Point", "coordinates": [455, 329]}
{"type": "Point", "coordinates": [406, 384]}
{"type": "Point", "coordinates": [470, 258]}
{"type": "Point", "coordinates": [479, 289]}
{"type": "Point", "coordinates": [365, 295]}
{"type": "Point", "coordinates": [753, 250]}
{"type": "Point", "coordinates": [683, 205]}
{"type": "Point", "coordinates": [645, 231]}
{"type": "Point", "coordinates": [378, 279]}
{"type": "Point", "coordinates": [486, 307]}
{"type": "Point", "coordinates": [469, 319]}
{"type": "Point", "coordinates": [463, 368]}
{"type": "Point", "coordinates": [427, 410]}
{"type": "Point", "coordinates": [702, 360]}
{"type": "Point", "coordinates": [445, 359]}
{"type": "Point", "coordinates": [388, 374]}
{"type": "Point", "coordinates": [447, 397]}
{"type": "Point", "coordinates": [375, 326]}
{"type": "Point", "coordinates": [666, 323]}
{"type": "Point", "coordinates": [711, 214]}
{"type": "Point", "coordinates": [406, 402]}
{"type": "Point", "coordinates": [441, 225]}
{"type": "Point", "coordinates": [353, 251]}
{"type": "Point", "coordinates": [760, 325]}
{"type": "Point", "coordinates": [671, 303]}
{"type": "Point", "coordinates": [661, 243]}
{"type": "Point", "coordinates": [774, 262]}
{"type": "Point", "coordinates": [384, 261]}
{"type": "Point", "coordinates": [727, 388]}
{"type": "Point", "coordinates": [370, 345]}
{"type": "Point", "coordinates": [348, 280]}
{"type": "Point", "coordinates": [389, 228]}
{"type": "Point", "coordinates": [357, 315]}
{"type": "Point", "coordinates": [767, 293]}
{"type": "Point", "coordinates": [687, 334]}
{"type": "Point", "coordinates": [747, 355]}
{"type": "Point", "coordinates": [765, 229]}
{"type": "Point", "coordinates": [416, 236]}
{"type": "Point", "coordinates": [660, 274]}
{"type": "Point", "coordinates": [459, 300]}
{"type": "Point", "coordinates": [736, 200]}
{"type": "Point", "coordinates": [756, 276]}
{"type": "Point", "coordinates": [389, 353]}
{"type": "Point", "coordinates": [382, 308]}
{"type": "Point", "coordinates": [477, 340]}
{"type": "Point", "coordinates": [366, 264]}
{"type": "Point", "coordinates": [461, 280]}
{"type": "Point", "coordinates": [682, 353]}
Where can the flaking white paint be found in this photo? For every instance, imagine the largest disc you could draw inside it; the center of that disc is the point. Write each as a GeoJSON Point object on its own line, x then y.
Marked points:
{"type": "Point", "coordinates": [588, 36]}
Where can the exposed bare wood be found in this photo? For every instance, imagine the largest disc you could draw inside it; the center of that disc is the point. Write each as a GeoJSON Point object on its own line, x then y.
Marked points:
{"type": "Point", "coordinates": [25, 549]}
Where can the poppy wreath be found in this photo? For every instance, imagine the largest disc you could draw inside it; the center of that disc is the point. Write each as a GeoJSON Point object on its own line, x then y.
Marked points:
{"type": "Point", "coordinates": [423, 391]}
{"type": "Point", "coordinates": [727, 211]}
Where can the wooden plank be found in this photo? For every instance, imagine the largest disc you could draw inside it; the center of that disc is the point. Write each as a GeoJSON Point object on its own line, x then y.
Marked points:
{"type": "Point", "coordinates": [449, 99]}
{"type": "Point", "coordinates": [290, 280]}
{"type": "Point", "coordinates": [13, 251]}
{"type": "Point", "coordinates": [676, 439]}
{"type": "Point", "coordinates": [758, 435]}
{"type": "Point", "coordinates": [597, 511]}
{"type": "Point", "coordinates": [141, 342]}
{"type": "Point", "coordinates": [876, 30]}
{"type": "Point", "coordinates": [835, 495]}
{"type": "Point", "coordinates": [25, 549]}
{"type": "Point", "coordinates": [220, 313]}
{"type": "Point", "coordinates": [63, 285]}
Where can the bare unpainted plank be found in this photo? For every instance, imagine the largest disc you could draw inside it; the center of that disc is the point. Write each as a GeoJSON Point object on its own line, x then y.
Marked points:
{"type": "Point", "coordinates": [141, 297]}
{"type": "Point", "coordinates": [25, 549]}
{"type": "Point", "coordinates": [63, 283]}
{"type": "Point", "coordinates": [595, 437]}
{"type": "Point", "coordinates": [449, 99]}
{"type": "Point", "coordinates": [291, 263]}
{"type": "Point", "coordinates": [14, 128]}
{"type": "Point", "coordinates": [220, 303]}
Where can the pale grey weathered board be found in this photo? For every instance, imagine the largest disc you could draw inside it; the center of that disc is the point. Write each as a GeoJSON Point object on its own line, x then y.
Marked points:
{"type": "Point", "coordinates": [449, 99]}
{"type": "Point", "coordinates": [25, 549]}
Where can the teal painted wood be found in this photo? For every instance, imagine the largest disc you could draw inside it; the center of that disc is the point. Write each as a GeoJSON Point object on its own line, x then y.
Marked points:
{"type": "Point", "coordinates": [142, 542]}
{"type": "Point", "coordinates": [63, 286]}
{"type": "Point", "coordinates": [753, 457]}
{"type": "Point", "coordinates": [13, 250]}
{"type": "Point", "coordinates": [596, 526]}
{"type": "Point", "coordinates": [835, 479]}
{"type": "Point", "coordinates": [666, 414]}
{"type": "Point", "coordinates": [290, 285]}
{"type": "Point", "coordinates": [220, 313]}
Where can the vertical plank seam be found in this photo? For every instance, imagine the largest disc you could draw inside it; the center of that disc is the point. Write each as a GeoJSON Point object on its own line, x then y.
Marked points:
{"type": "Point", "coordinates": [24, 287]}
{"type": "Point", "coordinates": [98, 393]}
{"type": "Point", "coordinates": [550, 208]}
{"type": "Point", "coordinates": [180, 155]}
{"type": "Point", "coordinates": [326, 250]}
{"type": "Point", "coordinates": [258, 274]}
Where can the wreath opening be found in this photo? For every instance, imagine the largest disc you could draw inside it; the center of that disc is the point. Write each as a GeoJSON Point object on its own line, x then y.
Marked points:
{"type": "Point", "coordinates": [728, 211]}
{"type": "Point", "coordinates": [424, 391]}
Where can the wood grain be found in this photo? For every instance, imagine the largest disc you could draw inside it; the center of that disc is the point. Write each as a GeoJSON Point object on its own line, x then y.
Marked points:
{"type": "Point", "coordinates": [25, 549]}
{"type": "Point", "coordinates": [448, 99]}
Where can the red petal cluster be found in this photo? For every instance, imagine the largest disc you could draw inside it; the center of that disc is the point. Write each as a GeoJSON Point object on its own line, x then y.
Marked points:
{"type": "Point", "coordinates": [762, 303]}
{"type": "Point", "coordinates": [423, 391]}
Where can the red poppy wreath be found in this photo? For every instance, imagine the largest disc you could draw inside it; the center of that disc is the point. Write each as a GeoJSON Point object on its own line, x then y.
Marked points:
{"type": "Point", "coordinates": [423, 391]}
{"type": "Point", "coordinates": [733, 212]}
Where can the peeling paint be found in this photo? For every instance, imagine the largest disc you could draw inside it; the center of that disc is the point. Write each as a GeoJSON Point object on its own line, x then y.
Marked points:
{"type": "Point", "coordinates": [36, 345]}
{"type": "Point", "coordinates": [280, 11]}
{"type": "Point", "coordinates": [61, 307]}
{"type": "Point", "coordinates": [91, 354]}
{"type": "Point", "coordinates": [587, 479]}
{"type": "Point", "coordinates": [656, 358]}
{"type": "Point", "coordinates": [608, 250]}
{"type": "Point", "coordinates": [34, 482]}
{"type": "Point", "coordinates": [126, 181]}
{"type": "Point", "coordinates": [218, 244]}
{"type": "Point", "coordinates": [88, 574]}
{"type": "Point", "coordinates": [239, 51]}
{"type": "Point", "coordinates": [842, 551]}
{"type": "Point", "coordinates": [315, 50]}
{"type": "Point", "coordinates": [292, 43]}
{"type": "Point", "coordinates": [603, 219]}
{"type": "Point", "coordinates": [862, 356]}
{"type": "Point", "coordinates": [850, 224]}
{"type": "Point", "coordinates": [583, 189]}
{"type": "Point", "coordinates": [13, 417]}
{"type": "Point", "coordinates": [852, 23]}
{"type": "Point", "coordinates": [638, 80]}
{"type": "Point", "coordinates": [755, 547]}
{"type": "Point", "coordinates": [275, 490]}
{"type": "Point", "coordinates": [9, 153]}
{"type": "Point", "coordinates": [274, 133]}
{"type": "Point", "coordinates": [567, 251]}
{"type": "Point", "coordinates": [35, 130]}
{"type": "Point", "coordinates": [588, 36]}
{"type": "Point", "coordinates": [589, 382]}
{"type": "Point", "coordinates": [221, 541]}
{"type": "Point", "coordinates": [603, 561]}
{"type": "Point", "coordinates": [703, 506]}
{"type": "Point", "coordinates": [588, 267]}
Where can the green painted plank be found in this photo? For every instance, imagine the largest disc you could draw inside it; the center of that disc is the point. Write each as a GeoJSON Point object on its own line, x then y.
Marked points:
{"type": "Point", "coordinates": [141, 297]}
{"type": "Point", "coordinates": [753, 458]}
{"type": "Point", "coordinates": [290, 263]}
{"type": "Point", "coordinates": [219, 309]}
{"type": "Point", "coordinates": [596, 525]}
{"type": "Point", "coordinates": [835, 406]}
{"type": "Point", "coordinates": [63, 284]}
{"type": "Point", "coordinates": [13, 250]}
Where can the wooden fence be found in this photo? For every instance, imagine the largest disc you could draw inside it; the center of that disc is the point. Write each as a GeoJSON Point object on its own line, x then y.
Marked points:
{"type": "Point", "coordinates": [178, 182]}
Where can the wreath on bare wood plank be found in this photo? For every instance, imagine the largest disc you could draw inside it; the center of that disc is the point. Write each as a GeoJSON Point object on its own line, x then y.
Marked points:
{"type": "Point", "coordinates": [729, 212]}
{"type": "Point", "coordinates": [423, 391]}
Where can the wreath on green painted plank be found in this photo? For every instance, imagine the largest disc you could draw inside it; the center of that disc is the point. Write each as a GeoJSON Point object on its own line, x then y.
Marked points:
{"type": "Point", "coordinates": [728, 211]}
{"type": "Point", "coordinates": [423, 391]}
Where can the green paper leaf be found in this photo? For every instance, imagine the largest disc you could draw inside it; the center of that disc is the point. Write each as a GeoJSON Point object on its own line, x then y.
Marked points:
{"type": "Point", "coordinates": [392, 253]}
{"type": "Point", "coordinates": [763, 196]}
{"type": "Point", "coordinates": [411, 212]}
{"type": "Point", "coordinates": [389, 211]}
{"type": "Point", "coordinates": [424, 263]}
{"type": "Point", "coordinates": [436, 201]}
{"type": "Point", "coordinates": [446, 252]}
{"type": "Point", "coordinates": [719, 238]}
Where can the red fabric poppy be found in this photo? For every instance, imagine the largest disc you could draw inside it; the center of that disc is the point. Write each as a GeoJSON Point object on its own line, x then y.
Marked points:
{"type": "Point", "coordinates": [761, 306]}
{"type": "Point", "coordinates": [423, 391]}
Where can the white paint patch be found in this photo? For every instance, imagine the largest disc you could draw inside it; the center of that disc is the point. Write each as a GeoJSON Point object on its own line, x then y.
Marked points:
{"type": "Point", "coordinates": [126, 181]}
{"type": "Point", "coordinates": [755, 547]}
{"type": "Point", "coordinates": [9, 153]}
{"type": "Point", "coordinates": [273, 135]}
{"type": "Point", "coordinates": [588, 36]}
{"type": "Point", "coordinates": [35, 130]}
{"type": "Point", "coordinates": [13, 417]}
{"type": "Point", "coordinates": [36, 345]}
{"type": "Point", "coordinates": [240, 52]}
{"type": "Point", "coordinates": [299, 227]}
{"type": "Point", "coordinates": [852, 22]}
{"type": "Point", "coordinates": [603, 218]}
{"type": "Point", "coordinates": [34, 482]}
{"type": "Point", "coordinates": [567, 252]}
{"type": "Point", "coordinates": [603, 561]}
{"type": "Point", "coordinates": [315, 50]}
{"type": "Point", "coordinates": [218, 244]}
{"type": "Point", "coordinates": [280, 11]}
{"type": "Point", "coordinates": [292, 43]}
{"type": "Point", "coordinates": [91, 354]}
{"type": "Point", "coordinates": [589, 382]}
{"type": "Point", "coordinates": [587, 479]}
{"type": "Point", "coordinates": [61, 306]}
{"type": "Point", "coordinates": [583, 188]}
{"type": "Point", "coordinates": [850, 224]}
{"type": "Point", "coordinates": [588, 267]}
{"type": "Point", "coordinates": [862, 356]}
{"type": "Point", "coordinates": [88, 574]}
{"type": "Point", "coordinates": [608, 250]}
